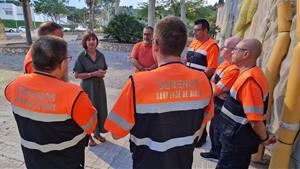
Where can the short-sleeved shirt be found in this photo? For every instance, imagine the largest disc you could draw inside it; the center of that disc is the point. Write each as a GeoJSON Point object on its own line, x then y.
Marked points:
{"type": "Point", "coordinates": [224, 77]}
{"type": "Point", "coordinates": [252, 93]}
{"type": "Point", "coordinates": [85, 64]}
{"type": "Point", "coordinates": [143, 54]}
{"type": "Point", "coordinates": [210, 47]}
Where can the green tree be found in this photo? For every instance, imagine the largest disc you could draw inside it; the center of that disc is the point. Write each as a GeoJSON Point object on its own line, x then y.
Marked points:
{"type": "Point", "coordinates": [124, 28]}
{"type": "Point", "coordinates": [52, 8]}
{"type": "Point", "coordinates": [77, 15]}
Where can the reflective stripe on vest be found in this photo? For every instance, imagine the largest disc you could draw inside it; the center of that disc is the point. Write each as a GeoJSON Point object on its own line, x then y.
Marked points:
{"type": "Point", "coordinates": [53, 147]}
{"type": "Point", "coordinates": [164, 146]}
{"type": "Point", "coordinates": [235, 118]}
{"type": "Point", "coordinates": [44, 117]}
{"type": "Point", "coordinates": [173, 106]}
{"type": "Point", "coordinates": [119, 120]}
{"type": "Point", "coordinates": [196, 66]}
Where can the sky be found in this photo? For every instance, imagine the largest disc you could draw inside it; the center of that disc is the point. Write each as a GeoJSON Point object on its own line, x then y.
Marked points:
{"type": "Point", "coordinates": [134, 3]}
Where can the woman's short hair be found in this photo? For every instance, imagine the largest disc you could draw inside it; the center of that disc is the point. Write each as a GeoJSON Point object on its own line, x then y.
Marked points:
{"type": "Point", "coordinates": [87, 35]}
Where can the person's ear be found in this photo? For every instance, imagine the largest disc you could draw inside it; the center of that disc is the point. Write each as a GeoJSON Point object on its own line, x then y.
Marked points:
{"type": "Point", "coordinates": [246, 54]}
{"type": "Point", "coordinates": [155, 46]}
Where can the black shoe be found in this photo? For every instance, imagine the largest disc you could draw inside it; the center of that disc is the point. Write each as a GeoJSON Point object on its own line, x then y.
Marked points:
{"type": "Point", "coordinates": [209, 155]}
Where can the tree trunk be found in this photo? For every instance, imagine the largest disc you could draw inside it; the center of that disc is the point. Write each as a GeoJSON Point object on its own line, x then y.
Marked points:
{"type": "Point", "coordinates": [26, 20]}
{"type": "Point", "coordinates": [90, 4]}
{"type": "Point", "coordinates": [29, 17]}
{"type": "Point", "coordinates": [151, 13]}
{"type": "Point", "coordinates": [117, 7]}
{"type": "Point", "coordinates": [2, 33]}
{"type": "Point", "coordinates": [182, 11]}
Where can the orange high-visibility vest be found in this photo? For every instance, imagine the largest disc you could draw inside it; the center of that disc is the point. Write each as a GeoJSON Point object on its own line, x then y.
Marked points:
{"type": "Point", "coordinates": [198, 56]}
{"type": "Point", "coordinates": [53, 118]}
{"type": "Point", "coordinates": [224, 77]}
{"type": "Point", "coordinates": [162, 109]}
{"type": "Point", "coordinates": [247, 102]}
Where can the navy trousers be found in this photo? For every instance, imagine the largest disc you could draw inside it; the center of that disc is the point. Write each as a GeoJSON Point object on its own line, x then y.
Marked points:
{"type": "Point", "coordinates": [233, 160]}
{"type": "Point", "coordinates": [214, 129]}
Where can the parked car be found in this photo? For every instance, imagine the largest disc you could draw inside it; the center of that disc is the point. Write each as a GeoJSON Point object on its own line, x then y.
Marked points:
{"type": "Point", "coordinates": [80, 28]}
{"type": "Point", "coordinates": [10, 29]}
{"type": "Point", "coordinates": [21, 29]}
{"type": "Point", "coordinates": [66, 29]}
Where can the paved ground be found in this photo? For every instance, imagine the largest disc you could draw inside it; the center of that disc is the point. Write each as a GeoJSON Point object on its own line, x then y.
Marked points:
{"type": "Point", "coordinates": [112, 154]}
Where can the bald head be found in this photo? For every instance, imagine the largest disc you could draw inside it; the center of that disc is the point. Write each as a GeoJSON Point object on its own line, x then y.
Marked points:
{"type": "Point", "coordinates": [254, 46]}
{"type": "Point", "coordinates": [229, 45]}
{"type": "Point", "coordinates": [246, 53]}
{"type": "Point", "coordinates": [232, 41]}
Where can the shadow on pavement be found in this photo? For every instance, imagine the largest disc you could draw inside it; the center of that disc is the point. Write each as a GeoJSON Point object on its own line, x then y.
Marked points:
{"type": "Point", "coordinates": [116, 156]}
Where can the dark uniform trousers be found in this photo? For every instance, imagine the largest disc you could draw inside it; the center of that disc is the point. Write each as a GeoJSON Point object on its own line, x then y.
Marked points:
{"type": "Point", "coordinates": [233, 160]}
{"type": "Point", "coordinates": [214, 128]}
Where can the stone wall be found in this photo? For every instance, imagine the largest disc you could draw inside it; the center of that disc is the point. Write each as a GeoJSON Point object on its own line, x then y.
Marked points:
{"type": "Point", "coordinates": [114, 46]}
{"type": "Point", "coordinates": [14, 50]}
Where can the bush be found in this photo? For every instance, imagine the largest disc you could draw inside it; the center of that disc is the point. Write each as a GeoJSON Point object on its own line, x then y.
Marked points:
{"type": "Point", "coordinates": [15, 23]}
{"type": "Point", "coordinates": [125, 29]}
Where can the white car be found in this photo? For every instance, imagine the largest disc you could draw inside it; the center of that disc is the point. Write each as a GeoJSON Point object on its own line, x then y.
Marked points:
{"type": "Point", "coordinates": [66, 29]}
{"type": "Point", "coordinates": [21, 29]}
{"type": "Point", "coordinates": [10, 29]}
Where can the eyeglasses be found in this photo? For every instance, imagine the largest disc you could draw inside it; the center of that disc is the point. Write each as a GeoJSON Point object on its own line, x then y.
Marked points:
{"type": "Point", "coordinates": [239, 49]}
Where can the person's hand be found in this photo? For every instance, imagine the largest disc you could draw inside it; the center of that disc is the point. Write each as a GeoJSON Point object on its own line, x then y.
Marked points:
{"type": "Point", "coordinates": [100, 73]}
{"type": "Point", "coordinates": [271, 140]}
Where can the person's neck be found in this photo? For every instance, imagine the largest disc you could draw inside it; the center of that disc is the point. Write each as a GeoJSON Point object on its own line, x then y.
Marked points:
{"type": "Point", "coordinates": [93, 51]}
{"type": "Point", "coordinates": [167, 59]}
{"type": "Point", "coordinates": [204, 39]}
{"type": "Point", "coordinates": [246, 67]}
{"type": "Point", "coordinates": [53, 74]}
{"type": "Point", "coordinates": [146, 43]}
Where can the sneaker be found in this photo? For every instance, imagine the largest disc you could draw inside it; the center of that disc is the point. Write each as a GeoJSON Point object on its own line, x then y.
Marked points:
{"type": "Point", "coordinates": [209, 155]}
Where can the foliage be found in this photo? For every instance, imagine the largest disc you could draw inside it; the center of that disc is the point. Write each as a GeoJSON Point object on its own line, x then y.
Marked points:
{"type": "Point", "coordinates": [16, 23]}
{"type": "Point", "coordinates": [124, 28]}
{"type": "Point", "coordinates": [77, 15]}
{"type": "Point", "coordinates": [53, 8]}
{"type": "Point", "coordinates": [195, 9]}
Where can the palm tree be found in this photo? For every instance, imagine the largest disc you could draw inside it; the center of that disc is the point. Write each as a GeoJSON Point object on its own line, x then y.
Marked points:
{"type": "Point", "coordinates": [183, 11]}
{"type": "Point", "coordinates": [151, 13]}
{"type": "Point", "coordinates": [117, 7]}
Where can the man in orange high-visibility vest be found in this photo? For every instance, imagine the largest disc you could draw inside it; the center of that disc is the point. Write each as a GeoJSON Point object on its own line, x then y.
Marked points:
{"type": "Point", "coordinates": [165, 109]}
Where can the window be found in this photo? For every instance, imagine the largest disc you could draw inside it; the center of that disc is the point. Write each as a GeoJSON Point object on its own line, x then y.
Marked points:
{"type": "Point", "coordinates": [8, 12]}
